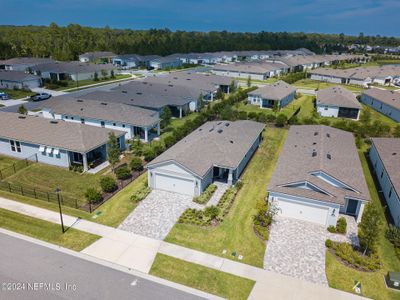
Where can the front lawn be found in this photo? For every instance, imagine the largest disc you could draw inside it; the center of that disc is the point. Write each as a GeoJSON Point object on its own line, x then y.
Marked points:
{"type": "Point", "coordinates": [17, 94]}
{"type": "Point", "coordinates": [235, 233]}
{"type": "Point", "coordinates": [373, 286]}
{"type": "Point", "coordinates": [47, 178]}
{"type": "Point", "coordinates": [46, 231]}
{"type": "Point", "coordinates": [6, 161]}
{"type": "Point", "coordinates": [315, 84]}
{"type": "Point", "coordinates": [196, 276]}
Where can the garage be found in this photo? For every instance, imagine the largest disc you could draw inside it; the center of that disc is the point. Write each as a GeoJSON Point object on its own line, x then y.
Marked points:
{"type": "Point", "coordinates": [171, 183]}
{"type": "Point", "coordinates": [303, 211]}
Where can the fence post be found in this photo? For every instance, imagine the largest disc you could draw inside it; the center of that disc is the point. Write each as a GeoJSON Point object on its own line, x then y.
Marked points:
{"type": "Point", "coordinates": [34, 191]}
{"type": "Point", "coordinates": [90, 207]}
{"type": "Point", "coordinates": [22, 191]}
{"type": "Point", "coordinates": [9, 187]}
{"type": "Point", "coordinates": [1, 175]}
{"type": "Point", "coordinates": [48, 197]}
{"type": "Point", "coordinates": [14, 168]}
{"type": "Point", "coordinates": [76, 203]}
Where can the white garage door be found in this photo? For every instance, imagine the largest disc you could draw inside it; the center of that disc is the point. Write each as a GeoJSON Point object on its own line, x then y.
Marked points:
{"type": "Point", "coordinates": [174, 184]}
{"type": "Point", "coordinates": [305, 212]}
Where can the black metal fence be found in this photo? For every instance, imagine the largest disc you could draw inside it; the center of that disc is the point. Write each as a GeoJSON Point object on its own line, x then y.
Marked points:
{"type": "Point", "coordinates": [17, 165]}
{"type": "Point", "coordinates": [39, 194]}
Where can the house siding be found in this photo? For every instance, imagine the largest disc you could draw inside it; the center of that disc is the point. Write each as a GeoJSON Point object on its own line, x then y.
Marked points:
{"type": "Point", "coordinates": [328, 111]}
{"type": "Point", "coordinates": [381, 107]}
{"type": "Point", "coordinates": [246, 158]}
{"type": "Point", "coordinates": [393, 202]}
{"type": "Point", "coordinates": [257, 100]}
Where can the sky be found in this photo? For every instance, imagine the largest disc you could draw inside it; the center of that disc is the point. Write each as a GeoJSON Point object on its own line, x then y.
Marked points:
{"type": "Point", "coordinates": [372, 17]}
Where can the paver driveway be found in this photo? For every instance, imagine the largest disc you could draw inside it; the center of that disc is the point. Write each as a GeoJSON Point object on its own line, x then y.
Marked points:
{"type": "Point", "coordinates": [297, 248]}
{"type": "Point", "coordinates": [156, 215]}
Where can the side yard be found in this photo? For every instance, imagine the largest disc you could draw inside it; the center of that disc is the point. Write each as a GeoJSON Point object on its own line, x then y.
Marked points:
{"type": "Point", "coordinates": [202, 278]}
{"type": "Point", "coordinates": [315, 84]}
{"type": "Point", "coordinates": [235, 234]}
{"type": "Point", "coordinates": [373, 286]}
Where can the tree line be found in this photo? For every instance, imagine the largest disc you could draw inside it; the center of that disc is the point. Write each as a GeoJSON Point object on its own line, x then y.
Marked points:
{"type": "Point", "coordinates": [67, 42]}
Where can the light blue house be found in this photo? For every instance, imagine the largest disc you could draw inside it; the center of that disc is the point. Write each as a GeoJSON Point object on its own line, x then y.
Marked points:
{"type": "Point", "coordinates": [266, 96]}
{"type": "Point", "coordinates": [384, 101]}
{"type": "Point", "coordinates": [54, 142]}
{"type": "Point", "coordinates": [167, 62]}
{"type": "Point", "coordinates": [384, 155]}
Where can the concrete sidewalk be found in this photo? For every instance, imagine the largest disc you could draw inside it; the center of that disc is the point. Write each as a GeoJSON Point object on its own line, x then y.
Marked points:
{"type": "Point", "coordinates": [138, 252]}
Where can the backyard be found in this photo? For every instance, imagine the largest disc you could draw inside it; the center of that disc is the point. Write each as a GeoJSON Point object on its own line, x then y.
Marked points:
{"type": "Point", "coordinates": [6, 161]}
{"type": "Point", "coordinates": [202, 278]}
{"type": "Point", "coordinates": [235, 233]}
{"type": "Point", "coordinates": [310, 84]}
{"type": "Point", "coordinates": [373, 286]}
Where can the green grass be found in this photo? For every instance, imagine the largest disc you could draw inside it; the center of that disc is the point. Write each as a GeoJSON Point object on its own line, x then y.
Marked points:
{"type": "Point", "coordinates": [315, 84]}
{"type": "Point", "coordinates": [176, 123]}
{"type": "Point", "coordinates": [373, 286]}
{"type": "Point", "coordinates": [48, 178]}
{"type": "Point", "coordinates": [208, 280]}
{"type": "Point", "coordinates": [17, 94]}
{"type": "Point", "coordinates": [236, 233]}
{"type": "Point", "coordinates": [49, 232]}
{"type": "Point", "coordinates": [6, 161]}
{"type": "Point", "coordinates": [268, 80]}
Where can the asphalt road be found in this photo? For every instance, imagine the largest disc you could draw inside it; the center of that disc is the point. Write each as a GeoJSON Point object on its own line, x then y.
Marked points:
{"type": "Point", "coordinates": [69, 277]}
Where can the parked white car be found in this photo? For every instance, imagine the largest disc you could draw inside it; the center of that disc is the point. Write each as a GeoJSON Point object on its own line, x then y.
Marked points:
{"type": "Point", "coordinates": [40, 96]}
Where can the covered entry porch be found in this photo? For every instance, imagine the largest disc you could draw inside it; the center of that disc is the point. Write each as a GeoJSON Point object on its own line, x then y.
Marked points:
{"type": "Point", "coordinates": [224, 175]}
{"type": "Point", "coordinates": [89, 159]}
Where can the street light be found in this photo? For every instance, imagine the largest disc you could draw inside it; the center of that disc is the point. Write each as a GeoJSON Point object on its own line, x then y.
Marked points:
{"type": "Point", "coordinates": [58, 190]}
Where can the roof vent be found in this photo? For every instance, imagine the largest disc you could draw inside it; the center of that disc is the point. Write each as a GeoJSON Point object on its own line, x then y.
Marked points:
{"type": "Point", "coordinates": [394, 153]}
{"type": "Point", "coordinates": [328, 156]}
{"type": "Point", "coordinates": [53, 122]}
{"type": "Point", "coordinates": [144, 82]}
{"type": "Point", "coordinates": [188, 79]}
{"type": "Point", "coordinates": [315, 133]}
{"type": "Point", "coordinates": [227, 124]}
{"type": "Point", "coordinates": [231, 141]}
{"type": "Point", "coordinates": [219, 123]}
{"type": "Point", "coordinates": [175, 77]}
{"type": "Point", "coordinates": [314, 153]}
{"type": "Point", "coordinates": [79, 100]}
{"type": "Point", "coordinates": [170, 85]}
{"type": "Point", "coordinates": [103, 103]}
{"type": "Point", "coordinates": [211, 129]}
{"type": "Point", "coordinates": [314, 143]}
{"type": "Point", "coordinates": [21, 117]}
{"type": "Point", "coordinates": [139, 93]}
{"type": "Point", "coordinates": [124, 92]}
{"type": "Point", "coordinates": [328, 135]}
{"type": "Point", "coordinates": [220, 130]}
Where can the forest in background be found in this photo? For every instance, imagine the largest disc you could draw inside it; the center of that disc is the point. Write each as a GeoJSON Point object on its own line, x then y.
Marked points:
{"type": "Point", "coordinates": [66, 43]}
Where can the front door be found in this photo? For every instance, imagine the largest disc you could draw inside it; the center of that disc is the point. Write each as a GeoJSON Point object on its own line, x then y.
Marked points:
{"type": "Point", "coordinates": [352, 207]}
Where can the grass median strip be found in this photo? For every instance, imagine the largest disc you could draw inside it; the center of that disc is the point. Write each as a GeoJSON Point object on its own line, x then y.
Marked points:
{"type": "Point", "coordinates": [46, 231]}
{"type": "Point", "coordinates": [202, 278]}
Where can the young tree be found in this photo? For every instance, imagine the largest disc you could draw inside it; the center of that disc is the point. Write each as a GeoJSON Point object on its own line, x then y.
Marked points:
{"type": "Point", "coordinates": [96, 76]}
{"type": "Point", "coordinates": [365, 116]}
{"type": "Point", "coordinates": [200, 102]}
{"type": "Point", "coordinates": [219, 94]}
{"type": "Point", "coordinates": [232, 87]}
{"type": "Point", "coordinates": [369, 228]}
{"type": "Point", "coordinates": [112, 74]}
{"type": "Point", "coordinates": [249, 81]}
{"type": "Point", "coordinates": [22, 110]}
{"type": "Point", "coordinates": [275, 108]}
{"type": "Point", "coordinates": [166, 116]}
{"type": "Point", "coordinates": [113, 150]}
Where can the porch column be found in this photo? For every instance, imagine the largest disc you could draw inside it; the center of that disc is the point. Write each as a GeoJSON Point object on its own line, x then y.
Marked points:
{"type": "Point", "coordinates": [85, 163]}
{"type": "Point", "coordinates": [158, 128]}
{"type": "Point", "coordinates": [228, 91]}
{"type": "Point", "coordinates": [212, 96]}
{"type": "Point", "coordinates": [146, 134]}
{"type": "Point", "coordinates": [180, 112]}
{"type": "Point", "coordinates": [230, 177]}
{"type": "Point", "coordinates": [360, 212]}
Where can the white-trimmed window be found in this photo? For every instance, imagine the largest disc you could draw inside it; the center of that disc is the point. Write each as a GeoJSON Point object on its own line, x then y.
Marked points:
{"type": "Point", "coordinates": [15, 146]}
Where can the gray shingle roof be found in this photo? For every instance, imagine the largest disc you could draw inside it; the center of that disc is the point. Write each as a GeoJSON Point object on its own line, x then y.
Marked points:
{"type": "Point", "coordinates": [113, 112]}
{"type": "Point", "coordinates": [274, 91]}
{"type": "Point", "coordinates": [259, 67]}
{"type": "Point", "coordinates": [337, 96]}
{"type": "Point", "coordinates": [17, 76]}
{"type": "Point", "coordinates": [65, 135]}
{"type": "Point", "coordinates": [389, 152]}
{"type": "Point", "coordinates": [390, 98]}
{"type": "Point", "coordinates": [220, 143]}
{"type": "Point", "coordinates": [25, 61]}
{"type": "Point", "coordinates": [72, 67]}
{"type": "Point", "coordinates": [97, 54]}
{"type": "Point", "coordinates": [361, 73]}
{"type": "Point", "coordinates": [297, 163]}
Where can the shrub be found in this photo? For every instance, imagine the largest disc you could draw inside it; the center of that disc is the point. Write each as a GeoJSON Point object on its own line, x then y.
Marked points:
{"type": "Point", "coordinates": [270, 118]}
{"type": "Point", "coordinates": [149, 154]}
{"type": "Point", "coordinates": [252, 115]}
{"type": "Point", "coordinates": [281, 120]}
{"type": "Point", "coordinates": [108, 184]}
{"type": "Point", "coordinates": [76, 168]}
{"type": "Point", "coordinates": [239, 185]}
{"type": "Point", "coordinates": [332, 229]}
{"type": "Point", "coordinates": [341, 225]}
{"type": "Point", "coordinates": [93, 195]}
{"type": "Point", "coordinates": [393, 235]}
{"type": "Point", "coordinates": [169, 141]}
{"type": "Point", "coordinates": [328, 243]}
{"type": "Point", "coordinates": [211, 212]}
{"type": "Point", "coordinates": [261, 231]}
{"type": "Point", "coordinates": [141, 194]}
{"type": "Point", "coordinates": [136, 164]}
{"type": "Point", "coordinates": [242, 115]}
{"type": "Point", "coordinates": [355, 258]}
{"type": "Point", "coordinates": [206, 195]}
{"type": "Point", "coordinates": [123, 173]}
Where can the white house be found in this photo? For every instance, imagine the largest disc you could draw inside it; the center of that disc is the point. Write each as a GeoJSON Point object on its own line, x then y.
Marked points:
{"type": "Point", "coordinates": [338, 102]}
{"type": "Point", "coordinates": [54, 142]}
{"type": "Point", "coordinates": [218, 150]}
{"type": "Point", "coordinates": [97, 56]}
{"type": "Point", "coordinates": [132, 120]}
{"type": "Point", "coordinates": [279, 92]}
{"type": "Point", "coordinates": [319, 176]}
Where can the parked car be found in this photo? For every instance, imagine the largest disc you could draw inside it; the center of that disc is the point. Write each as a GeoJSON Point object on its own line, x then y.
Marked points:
{"type": "Point", "coordinates": [40, 96]}
{"type": "Point", "coordinates": [4, 96]}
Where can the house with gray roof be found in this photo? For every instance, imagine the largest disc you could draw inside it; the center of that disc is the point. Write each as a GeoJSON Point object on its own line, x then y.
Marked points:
{"type": "Point", "coordinates": [384, 101]}
{"type": "Point", "coordinates": [97, 56]}
{"type": "Point", "coordinates": [338, 102]}
{"type": "Point", "coordinates": [265, 97]}
{"type": "Point", "coordinates": [23, 64]}
{"type": "Point", "coordinates": [134, 121]}
{"type": "Point", "coordinates": [218, 150]}
{"type": "Point", "coordinates": [384, 155]}
{"type": "Point", "coordinates": [166, 62]}
{"type": "Point", "coordinates": [54, 142]}
{"type": "Point", "coordinates": [18, 80]}
{"type": "Point", "coordinates": [319, 176]}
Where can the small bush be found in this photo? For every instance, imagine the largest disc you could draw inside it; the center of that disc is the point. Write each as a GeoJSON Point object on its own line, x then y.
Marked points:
{"type": "Point", "coordinates": [141, 194]}
{"type": "Point", "coordinates": [261, 231]}
{"type": "Point", "coordinates": [93, 195]}
{"type": "Point", "coordinates": [149, 154]}
{"type": "Point", "coordinates": [328, 243]}
{"type": "Point", "coordinates": [136, 164]}
{"type": "Point", "coordinates": [108, 184]}
{"type": "Point", "coordinates": [270, 118]}
{"type": "Point", "coordinates": [393, 235]}
{"type": "Point", "coordinates": [281, 120]}
{"type": "Point", "coordinates": [332, 229]}
{"type": "Point", "coordinates": [206, 195]}
{"type": "Point", "coordinates": [123, 173]}
{"type": "Point", "coordinates": [355, 258]}
{"type": "Point", "coordinates": [239, 185]}
{"type": "Point", "coordinates": [211, 212]}
{"type": "Point", "coordinates": [341, 225]}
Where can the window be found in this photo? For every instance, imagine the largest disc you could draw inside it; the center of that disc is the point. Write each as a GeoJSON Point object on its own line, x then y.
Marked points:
{"type": "Point", "coordinates": [123, 125]}
{"type": "Point", "coordinates": [72, 118]}
{"type": "Point", "coordinates": [82, 121]}
{"type": "Point", "coordinates": [382, 174]}
{"type": "Point", "coordinates": [114, 124]}
{"type": "Point", "coordinates": [390, 193]}
{"type": "Point", "coordinates": [66, 117]}
{"type": "Point", "coordinates": [102, 124]}
{"type": "Point", "coordinates": [15, 146]}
